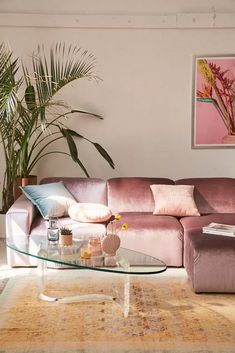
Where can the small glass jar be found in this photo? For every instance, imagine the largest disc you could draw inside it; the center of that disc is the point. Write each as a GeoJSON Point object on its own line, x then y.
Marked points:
{"type": "Point", "coordinates": [85, 253]}
{"type": "Point", "coordinates": [53, 230]}
{"type": "Point", "coordinates": [94, 244]}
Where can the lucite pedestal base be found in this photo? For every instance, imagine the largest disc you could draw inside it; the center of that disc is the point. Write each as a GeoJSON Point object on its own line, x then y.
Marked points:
{"type": "Point", "coordinates": [122, 299]}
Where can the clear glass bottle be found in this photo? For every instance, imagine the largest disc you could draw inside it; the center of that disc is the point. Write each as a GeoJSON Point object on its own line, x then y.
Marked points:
{"type": "Point", "coordinates": [53, 230]}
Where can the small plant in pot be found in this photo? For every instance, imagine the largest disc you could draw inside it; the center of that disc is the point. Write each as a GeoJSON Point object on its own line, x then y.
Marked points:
{"type": "Point", "coordinates": [111, 242]}
{"type": "Point", "coordinates": [66, 236]}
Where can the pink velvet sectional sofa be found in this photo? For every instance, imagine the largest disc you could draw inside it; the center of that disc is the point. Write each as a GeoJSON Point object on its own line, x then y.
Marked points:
{"type": "Point", "coordinates": [209, 260]}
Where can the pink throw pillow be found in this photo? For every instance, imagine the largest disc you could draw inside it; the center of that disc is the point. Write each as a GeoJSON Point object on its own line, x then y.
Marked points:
{"type": "Point", "coordinates": [89, 212]}
{"type": "Point", "coordinates": [174, 200]}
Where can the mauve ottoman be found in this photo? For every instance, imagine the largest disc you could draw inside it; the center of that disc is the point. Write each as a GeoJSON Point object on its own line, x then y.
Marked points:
{"type": "Point", "coordinates": [210, 262]}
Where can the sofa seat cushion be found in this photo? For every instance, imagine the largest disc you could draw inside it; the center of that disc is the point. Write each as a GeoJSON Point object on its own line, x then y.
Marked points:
{"type": "Point", "coordinates": [157, 236]}
{"type": "Point", "coordinates": [191, 224]}
{"type": "Point", "coordinates": [80, 230]}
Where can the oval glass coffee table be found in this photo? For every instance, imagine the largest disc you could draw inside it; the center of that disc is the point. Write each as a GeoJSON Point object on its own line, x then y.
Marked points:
{"type": "Point", "coordinates": [126, 263]}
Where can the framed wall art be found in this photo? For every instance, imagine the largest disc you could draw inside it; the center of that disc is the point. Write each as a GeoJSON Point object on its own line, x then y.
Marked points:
{"type": "Point", "coordinates": [214, 102]}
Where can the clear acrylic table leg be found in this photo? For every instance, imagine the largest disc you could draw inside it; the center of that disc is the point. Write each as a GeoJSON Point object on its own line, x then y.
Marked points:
{"type": "Point", "coordinates": [126, 295]}
{"type": "Point", "coordinates": [124, 303]}
{"type": "Point", "coordinates": [42, 266]}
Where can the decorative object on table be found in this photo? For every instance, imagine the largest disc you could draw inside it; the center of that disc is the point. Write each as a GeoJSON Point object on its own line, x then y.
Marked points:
{"type": "Point", "coordinates": [27, 96]}
{"type": "Point", "coordinates": [111, 241]}
{"type": "Point", "coordinates": [66, 236]}
{"type": "Point", "coordinates": [110, 261]}
{"type": "Point", "coordinates": [214, 102]}
{"type": "Point", "coordinates": [97, 261]}
{"type": "Point", "coordinates": [219, 229]}
{"type": "Point", "coordinates": [94, 245]}
{"type": "Point", "coordinates": [53, 230]}
{"type": "Point", "coordinates": [85, 253]}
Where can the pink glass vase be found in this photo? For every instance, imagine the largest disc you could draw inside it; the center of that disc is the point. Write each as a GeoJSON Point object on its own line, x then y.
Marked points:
{"type": "Point", "coordinates": [110, 244]}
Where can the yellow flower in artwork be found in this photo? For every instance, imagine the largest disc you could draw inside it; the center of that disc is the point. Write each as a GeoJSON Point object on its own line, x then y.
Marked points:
{"type": "Point", "coordinates": [117, 217]}
{"type": "Point", "coordinates": [218, 89]}
{"type": "Point", "coordinates": [125, 226]}
{"type": "Point", "coordinates": [206, 71]}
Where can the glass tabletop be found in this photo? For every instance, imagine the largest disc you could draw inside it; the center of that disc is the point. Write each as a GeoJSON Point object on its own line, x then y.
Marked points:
{"type": "Point", "coordinates": [125, 261]}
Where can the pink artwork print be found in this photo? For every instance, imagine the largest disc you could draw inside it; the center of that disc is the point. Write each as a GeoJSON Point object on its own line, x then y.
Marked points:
{"type": "Point", "coordinates": [214, 102]}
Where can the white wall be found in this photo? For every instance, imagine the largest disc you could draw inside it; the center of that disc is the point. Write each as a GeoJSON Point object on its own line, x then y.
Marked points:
{"type": "Point", "coordinates": [146, 93]}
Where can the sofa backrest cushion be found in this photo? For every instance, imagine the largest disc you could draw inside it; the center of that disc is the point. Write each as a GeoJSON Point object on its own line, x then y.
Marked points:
{"type": "Point", "coordinates": [83, 189]}
{"type": "Point", "coordinates": [130, 194]}
{"type": "Point", "coordinates": [212, 195]}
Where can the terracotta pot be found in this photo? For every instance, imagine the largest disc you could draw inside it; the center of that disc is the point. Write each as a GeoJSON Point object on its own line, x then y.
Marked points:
{"type": "Point", "coordinates": [30, 180]}
{"type": "Point", "coordinates": [110, 244]}
{"type": "Point", "coordinates": [66, 239]}
{"type": "Point", "coordinates": [228, 139]}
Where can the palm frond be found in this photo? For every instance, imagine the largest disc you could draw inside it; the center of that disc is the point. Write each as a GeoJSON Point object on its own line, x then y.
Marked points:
{"type": "Point", "coordinates": [86, 113]}
{"type": "Point", "coordinates": [62, 66]}
{"type": "Point", "coordinates": [98, 147]}
{"type": "Point", "coordinates": [73, 149]}
{"type": "Point", "coordinates": [8, 85]}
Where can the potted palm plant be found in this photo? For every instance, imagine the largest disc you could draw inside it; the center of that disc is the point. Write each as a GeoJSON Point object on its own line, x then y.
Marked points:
{"type": "Point", "coordinates": [31, 120]}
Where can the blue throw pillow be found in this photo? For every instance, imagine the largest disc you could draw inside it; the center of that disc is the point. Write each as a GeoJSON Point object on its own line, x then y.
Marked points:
{"type": "Point", "coordinates": [52, 200]}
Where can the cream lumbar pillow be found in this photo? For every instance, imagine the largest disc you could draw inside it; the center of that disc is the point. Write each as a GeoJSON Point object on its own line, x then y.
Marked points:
{"type": "Point", "coordinates": [89, 212]}
{"type": "Point", "coordinates": [174, 200]}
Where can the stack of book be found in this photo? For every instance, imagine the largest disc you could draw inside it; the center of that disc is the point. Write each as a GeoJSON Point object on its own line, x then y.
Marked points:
{"type": "Point", "coordinates": [219, 229]}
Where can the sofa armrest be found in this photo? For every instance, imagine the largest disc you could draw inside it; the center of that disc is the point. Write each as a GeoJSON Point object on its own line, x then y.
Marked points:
{"type": "Point", "coordinates": [19, 219]}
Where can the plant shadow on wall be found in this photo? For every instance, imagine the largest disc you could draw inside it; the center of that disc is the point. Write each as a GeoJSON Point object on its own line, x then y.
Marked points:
{"type": "Point", "coordinates": [219, 90]}
{"type": "Point", "coordinates": [31, 120]}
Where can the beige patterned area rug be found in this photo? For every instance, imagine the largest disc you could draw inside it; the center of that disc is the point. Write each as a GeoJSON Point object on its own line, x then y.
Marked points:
{"type": "Point", "coordinates": [3, 282]}
{"type": "Point", "coordinates": [165, 317]}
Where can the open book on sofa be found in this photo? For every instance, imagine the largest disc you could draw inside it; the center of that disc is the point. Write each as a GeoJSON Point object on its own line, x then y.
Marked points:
{"type": "Point", "coordinates": [219, 229]}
